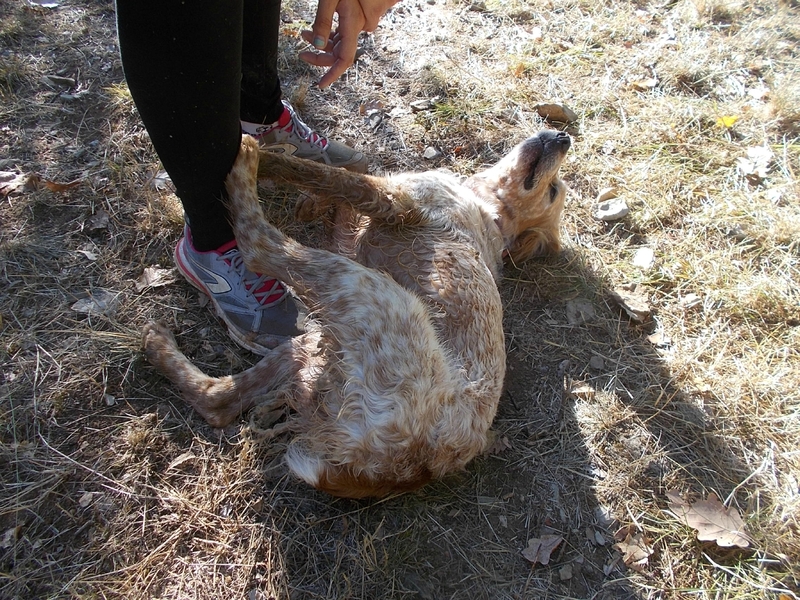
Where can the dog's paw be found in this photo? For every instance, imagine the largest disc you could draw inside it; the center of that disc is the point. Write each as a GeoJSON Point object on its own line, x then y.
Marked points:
{"type": "Point", "coordinates": [309, 208]}
{"type": "Point", "coordinates": [157, 341]}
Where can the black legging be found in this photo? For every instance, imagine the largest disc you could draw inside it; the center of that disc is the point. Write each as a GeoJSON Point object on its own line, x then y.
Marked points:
{"type": "Point", "coordinates": [194, 69]}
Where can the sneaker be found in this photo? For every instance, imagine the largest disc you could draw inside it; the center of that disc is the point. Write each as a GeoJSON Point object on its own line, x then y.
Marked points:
{"type": "Point", "coordinates": [257, 309]}
{"type": "Point", "coordinates": [290, 135]}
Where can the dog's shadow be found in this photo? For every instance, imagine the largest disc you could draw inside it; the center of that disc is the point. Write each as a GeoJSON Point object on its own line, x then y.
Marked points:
{"type": "Point", "coordinates": [590, 427]}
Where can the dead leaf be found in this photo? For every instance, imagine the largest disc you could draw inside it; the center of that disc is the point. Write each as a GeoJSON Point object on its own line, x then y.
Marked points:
{"type": "Point", "coordinates": [100, 302]}
{"type": "Point", "coordinates": [496, 444]}
{"type": "Point", "coordinates": [86, 499]}
{"type": "Point", "coordinates": [45, 3]}
{"type": "Point", "coordinates": [635, 305]}
{"type": "Point", "coordinates": [611, 565]}
{"type": "Point", "coordinates": [160, 181]}
{"type": "Point", "coordinates": [98, 221]}
{"type": "Point", "coordinates": [659, 339]}
{"type": "Point", "coordinates": [634, 546]}
{"type": "Point", "coordinates": [727, 122]}
{"type": "Point", "coordinates": [712, 521]}
{"type": "Point", "coordinates": [58, 81]}
{"type": "Point", "coordinates": [185, 457]}
{"type": "Point", "coordinates": [10, 537]}
{"type": "Point", "coordinates": [88, 254]}
{"type": "Point", "coordinates": [756, 164]}
{"type": "Point", "coordinates": [539, 549]}
{"type": "Point", "coordinates": [153, 277]}
{"type": "Point", "coordinates": [369, 106]}
{"type": "Point", "coordinates": [582, 390]}
{"type": "Point", "coordinates": [16, 184]}
{"type": "Point", "coordinates": [425, 104]}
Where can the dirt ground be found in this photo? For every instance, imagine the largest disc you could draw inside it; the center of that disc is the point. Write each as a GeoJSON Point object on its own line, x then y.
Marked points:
{"type": "Point", "coordinates": [689, 111]}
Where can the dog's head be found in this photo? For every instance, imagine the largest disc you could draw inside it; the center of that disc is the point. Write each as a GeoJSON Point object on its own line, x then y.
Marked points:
{"type": "Point", "coordinates": [528, 195]}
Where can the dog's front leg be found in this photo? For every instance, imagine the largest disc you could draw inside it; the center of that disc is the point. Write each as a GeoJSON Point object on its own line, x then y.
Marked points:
{"type": "Point", "coordinates": [219, 400]}
{"type": "Point", "coordinates": [373, 196]}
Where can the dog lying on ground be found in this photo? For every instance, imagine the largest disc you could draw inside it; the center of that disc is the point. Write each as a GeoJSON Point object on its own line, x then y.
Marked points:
{"type": "Point", "coordinates": [398, 376]}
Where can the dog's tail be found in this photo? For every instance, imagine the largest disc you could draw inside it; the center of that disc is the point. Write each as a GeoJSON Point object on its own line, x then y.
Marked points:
{"type": "Point", "coordinates": [343, 481]}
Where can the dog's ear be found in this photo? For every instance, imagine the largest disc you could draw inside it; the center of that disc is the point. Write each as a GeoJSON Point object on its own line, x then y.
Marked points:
{"type": "Point", "coordinates": [532, 242]}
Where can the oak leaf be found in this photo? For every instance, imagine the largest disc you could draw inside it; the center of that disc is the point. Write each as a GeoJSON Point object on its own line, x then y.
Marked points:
{"type": "Point", "coordinates": [635, 547]}
{"type": "Point", "coordinates": [712, 521]}
{"type": "Point", "coordinates": [153, 277]}
{"type": "Point", "coordinates": [540, 549]}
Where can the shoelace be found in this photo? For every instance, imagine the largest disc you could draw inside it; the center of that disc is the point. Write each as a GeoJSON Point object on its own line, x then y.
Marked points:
{"type": "Point", "coordinates": [303, 130]}
{"type": "Point", "coordinates": [267, 291]}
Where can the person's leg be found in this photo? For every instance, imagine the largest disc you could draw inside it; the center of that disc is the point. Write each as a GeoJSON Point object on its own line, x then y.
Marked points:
{"type": "Point", "coordinates": [261, 88]}
{"type": "Point", "coordinates": [182, 62]}
{"type": "Point", "coordinates": [274, 123]}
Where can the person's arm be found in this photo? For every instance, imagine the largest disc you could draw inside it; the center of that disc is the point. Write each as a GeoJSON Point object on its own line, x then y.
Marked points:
{"type": "Point", "coordinates": [337, 50]}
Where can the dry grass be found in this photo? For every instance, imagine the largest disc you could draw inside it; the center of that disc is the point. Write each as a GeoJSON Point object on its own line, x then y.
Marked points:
{"type": "Point", "coordinates": [111, 488]}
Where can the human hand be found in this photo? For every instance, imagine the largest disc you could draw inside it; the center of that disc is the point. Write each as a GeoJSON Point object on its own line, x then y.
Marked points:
{"type": "Point", "coordinates": [337, 50]}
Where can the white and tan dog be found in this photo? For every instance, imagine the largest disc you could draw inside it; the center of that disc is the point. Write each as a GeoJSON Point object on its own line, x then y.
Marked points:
{"type": "Point", "coordinates": [398, 377]}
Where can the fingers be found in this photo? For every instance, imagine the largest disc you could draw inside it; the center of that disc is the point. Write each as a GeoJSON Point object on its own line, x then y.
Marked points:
{"type": "Point", "coordinates": [374, 10]}
{"type": "Point", "coordinates": [339, 50]}
{"type": "Point", "coordinates": [308, 36]}
{"type": "Point", "coordinates": [323, 22]}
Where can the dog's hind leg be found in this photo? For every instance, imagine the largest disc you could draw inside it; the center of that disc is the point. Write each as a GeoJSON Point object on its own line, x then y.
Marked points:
{"type": "Point", "coordinates": [219, 400]}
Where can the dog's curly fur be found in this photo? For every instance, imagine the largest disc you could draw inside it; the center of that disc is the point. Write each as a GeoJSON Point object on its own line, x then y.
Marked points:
{"type": "Point", "coordinates": [398, 376]}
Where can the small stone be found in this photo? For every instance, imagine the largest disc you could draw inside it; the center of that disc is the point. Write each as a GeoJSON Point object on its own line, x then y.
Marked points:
{"type": "Point", "coordinates": [431, 153]}
{"type": "Point", "coordinates": [559, 113]}
{"type": "Point", "coordinates": [690, 301]}
{"type": "Point", "coordinates": [606, 193]}
{"type": "Point", "coordinates": [644, 85]}
{"type": "Point", "coordinates": [644, 258]}
{"type": "Point", "coordinates": [420, 105]}
{"type": "Point", "coordinates": [597, 363]}
{"type": "Point", "coordinates": [565, 572]}
{"type": "Point", "coordinates": [612, 210]}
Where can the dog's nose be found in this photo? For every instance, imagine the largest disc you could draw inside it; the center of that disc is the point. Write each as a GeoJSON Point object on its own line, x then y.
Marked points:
{"type": "Point", "coordinates": [562, 137]}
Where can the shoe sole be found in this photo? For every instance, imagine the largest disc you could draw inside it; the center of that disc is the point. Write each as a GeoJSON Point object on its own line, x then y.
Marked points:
{"type": "Point", "coordinates": [185, 270]}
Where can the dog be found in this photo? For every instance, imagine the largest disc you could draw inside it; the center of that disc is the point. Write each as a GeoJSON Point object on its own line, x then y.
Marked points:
{"type": "Point", "coordinates": [398, 375]}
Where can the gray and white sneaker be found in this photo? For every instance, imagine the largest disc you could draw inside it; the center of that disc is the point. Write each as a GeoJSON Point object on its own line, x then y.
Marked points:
{"type": "Point", "coordinates": [290, 135]}
{"type": "Point", "coordinates": [257, 309]}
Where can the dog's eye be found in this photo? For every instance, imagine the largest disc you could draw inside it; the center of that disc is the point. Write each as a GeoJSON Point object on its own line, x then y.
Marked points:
{"type": "Point", "coordinates": [553, 192]}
